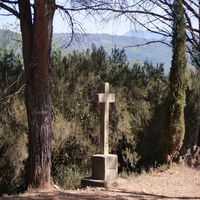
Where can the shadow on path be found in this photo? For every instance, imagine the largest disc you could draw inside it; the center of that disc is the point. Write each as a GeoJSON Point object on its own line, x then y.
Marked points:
{"type": "Point", "coordinates": [94, 195]}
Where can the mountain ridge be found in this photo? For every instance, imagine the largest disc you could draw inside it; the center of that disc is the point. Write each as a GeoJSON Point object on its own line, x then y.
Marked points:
{"type": "Point", "coordinates": [155, 52]}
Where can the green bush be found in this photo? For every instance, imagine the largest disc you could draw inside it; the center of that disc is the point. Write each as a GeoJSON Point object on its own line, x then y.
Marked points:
{"type": "Point", "coordinates": [137, 118]}
{"type": "Point", "coordinates": [13, 149]}
{"type": "Point", "coordinates": [192, 112]}
{"type": "Point", "coordinates": [68, 177]}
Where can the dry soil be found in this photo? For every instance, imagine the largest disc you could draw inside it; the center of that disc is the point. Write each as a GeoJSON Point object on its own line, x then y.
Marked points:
{"type": "Point", "coordinates": [178, 182]}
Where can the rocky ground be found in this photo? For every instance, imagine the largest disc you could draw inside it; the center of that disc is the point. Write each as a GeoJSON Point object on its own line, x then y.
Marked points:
{"type": "Point", "coordinates": [178, 182]}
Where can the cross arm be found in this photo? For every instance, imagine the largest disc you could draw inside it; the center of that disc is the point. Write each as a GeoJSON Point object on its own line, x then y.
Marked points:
{"type": "Point", "coordinates": [103, 98]}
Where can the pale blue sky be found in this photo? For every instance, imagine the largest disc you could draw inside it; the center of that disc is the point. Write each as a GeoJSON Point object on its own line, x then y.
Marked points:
{"type": "Point", "coordinates": [89, 25]}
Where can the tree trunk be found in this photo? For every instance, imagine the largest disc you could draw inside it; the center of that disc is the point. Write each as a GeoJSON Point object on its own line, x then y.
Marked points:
{"type": "Point", "coordinates": [176, 124]}
{"type": "Point", "coordinates": [198, 138]}
{"type": "Point", "coordinates": [37, 36]}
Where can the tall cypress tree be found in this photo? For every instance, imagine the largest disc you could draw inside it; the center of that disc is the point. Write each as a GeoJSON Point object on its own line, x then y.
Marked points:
{"type": "Point", "coordinates": [176, 124]}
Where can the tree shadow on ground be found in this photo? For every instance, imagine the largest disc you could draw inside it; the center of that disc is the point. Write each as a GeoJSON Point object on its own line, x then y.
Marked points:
{"type": "Point", "coordinates": [97, 195]}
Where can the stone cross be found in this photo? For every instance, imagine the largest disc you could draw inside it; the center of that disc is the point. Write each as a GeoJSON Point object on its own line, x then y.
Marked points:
{"type": "Point", "coordinates": [105, 98]}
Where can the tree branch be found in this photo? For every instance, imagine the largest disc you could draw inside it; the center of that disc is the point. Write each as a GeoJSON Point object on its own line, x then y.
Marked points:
{"type": "Point", "coordinates": [150, 42]}
{"type": "Point", "coordinates": [15, 93]}
{"type": "Point", "coordinates": [10, 2]}
{"type": "Point", "coordinates": [122, 10]}
{"type": "Point", "coordinates": [9, 9]}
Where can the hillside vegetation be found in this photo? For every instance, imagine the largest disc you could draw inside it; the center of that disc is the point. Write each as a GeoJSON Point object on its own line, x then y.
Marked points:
{"type": "Point", "coordinates": [137, 119]}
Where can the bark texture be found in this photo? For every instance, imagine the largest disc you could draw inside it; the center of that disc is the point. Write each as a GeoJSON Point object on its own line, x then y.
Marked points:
{"type": "Point", "coordinates": [36, 36]}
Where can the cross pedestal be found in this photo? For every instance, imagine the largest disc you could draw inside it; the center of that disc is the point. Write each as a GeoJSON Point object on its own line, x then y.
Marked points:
{"type": "Point", "coordinates": [104, 165]}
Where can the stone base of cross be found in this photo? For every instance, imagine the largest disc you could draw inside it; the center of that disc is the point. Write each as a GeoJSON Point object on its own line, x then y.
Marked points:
{"type": "Point", "coordinates": [104, 165]}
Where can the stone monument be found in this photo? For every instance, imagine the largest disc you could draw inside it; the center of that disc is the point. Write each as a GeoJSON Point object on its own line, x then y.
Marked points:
{"type": "Point", "coordinates": [104, 165]}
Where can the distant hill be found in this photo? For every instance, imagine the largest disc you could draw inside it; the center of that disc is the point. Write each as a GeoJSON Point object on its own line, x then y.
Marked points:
{"type": "Point", "coordinates": [155, 53]}
{"type": "Point", "coordinates": [143, 34]}
{"type": "Point", "coordinates": [10, 39]}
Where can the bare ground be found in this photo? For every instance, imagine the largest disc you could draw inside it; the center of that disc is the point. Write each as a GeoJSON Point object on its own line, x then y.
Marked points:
{"type": "Point", "coordinates": [178, 183]}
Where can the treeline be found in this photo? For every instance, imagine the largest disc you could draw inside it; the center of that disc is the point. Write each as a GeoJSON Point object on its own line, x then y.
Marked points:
{"type": "Point", "coordinates": [137, 119]}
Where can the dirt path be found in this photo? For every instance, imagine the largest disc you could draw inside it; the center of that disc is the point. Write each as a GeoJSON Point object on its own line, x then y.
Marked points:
{"type": "Point", "coordinates": [176, 183]}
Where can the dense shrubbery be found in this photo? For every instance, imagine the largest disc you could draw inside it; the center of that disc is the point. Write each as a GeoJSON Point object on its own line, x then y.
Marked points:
{"type": "Point", "coordinates": [137, 121]}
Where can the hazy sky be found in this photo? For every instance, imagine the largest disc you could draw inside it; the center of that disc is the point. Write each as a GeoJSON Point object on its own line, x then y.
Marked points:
{"type": "Point", "coordinates": [89, 25]}
{"type": "Point", "coordinates": [85, 24]}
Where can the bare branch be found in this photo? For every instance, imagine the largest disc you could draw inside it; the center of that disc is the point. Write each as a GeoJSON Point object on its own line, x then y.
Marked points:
{"type": "Point", "coordinates": [9, 1]}
{"type": "Point", "coordinates": [121, 10]}
{"type": "Point", "coordinates": [9, 9]}
{"type": "Point", "coordinates": [17, 80]}
{"type": "Point", "coordinates": [149, 42]}
{"type": "Point", "coordinates": [191, 9]}
{"type": "Point", "coordinates": [15, 93]}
